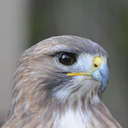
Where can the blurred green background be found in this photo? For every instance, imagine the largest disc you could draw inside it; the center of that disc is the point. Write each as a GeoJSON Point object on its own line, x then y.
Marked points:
{"type": "Point", "coordinates": [103, 21]}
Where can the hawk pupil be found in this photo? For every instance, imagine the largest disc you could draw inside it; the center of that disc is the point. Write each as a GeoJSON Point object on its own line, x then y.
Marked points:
{"type": "Point", "coordinates": [67, 58]}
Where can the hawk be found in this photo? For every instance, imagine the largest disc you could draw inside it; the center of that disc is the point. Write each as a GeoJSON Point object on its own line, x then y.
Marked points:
{"type": "Point", "coordinates": [59, 83]}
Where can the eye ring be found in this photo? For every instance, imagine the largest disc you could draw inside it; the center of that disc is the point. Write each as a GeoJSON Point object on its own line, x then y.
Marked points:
{"type": "Point", "coordinates": [67, 58]}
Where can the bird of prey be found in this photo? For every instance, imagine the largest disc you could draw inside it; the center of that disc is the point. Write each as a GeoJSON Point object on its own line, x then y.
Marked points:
{"type": "Point", "coordinates": [59, 83]}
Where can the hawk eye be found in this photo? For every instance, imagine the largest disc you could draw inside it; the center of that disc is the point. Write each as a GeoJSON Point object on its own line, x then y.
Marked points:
{"type": "Point", "coordinates": [67, 58]}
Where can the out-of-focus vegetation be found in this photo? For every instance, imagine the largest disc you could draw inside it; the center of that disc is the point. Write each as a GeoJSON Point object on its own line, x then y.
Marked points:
{"type": "Point", "coordinates": [104, 21]}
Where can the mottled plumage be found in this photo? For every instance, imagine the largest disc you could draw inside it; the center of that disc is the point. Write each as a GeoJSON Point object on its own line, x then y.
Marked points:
{"type": "Point", "coordinates": [44, 96]}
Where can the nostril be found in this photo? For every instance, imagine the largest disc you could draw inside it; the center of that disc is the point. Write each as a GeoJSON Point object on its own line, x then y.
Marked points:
{"type": "Point", "coordinates": [95, 65]}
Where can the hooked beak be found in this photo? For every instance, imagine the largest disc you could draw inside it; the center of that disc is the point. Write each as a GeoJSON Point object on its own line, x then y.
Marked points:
{"type": "Point", "coordinates": [100, 74]}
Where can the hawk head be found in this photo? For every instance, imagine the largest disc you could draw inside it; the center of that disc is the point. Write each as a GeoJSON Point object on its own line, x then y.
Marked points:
{"type": "Point", "coordinates": [59, 73]}
{"type": "Point", "coordinates": [70, 66]}
{"type": "Point", "coordinates": [66, 66]}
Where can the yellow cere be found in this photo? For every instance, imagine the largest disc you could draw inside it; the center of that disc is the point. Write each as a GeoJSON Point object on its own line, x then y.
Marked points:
{"type": "Point", "coordinates": [96, 64]}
